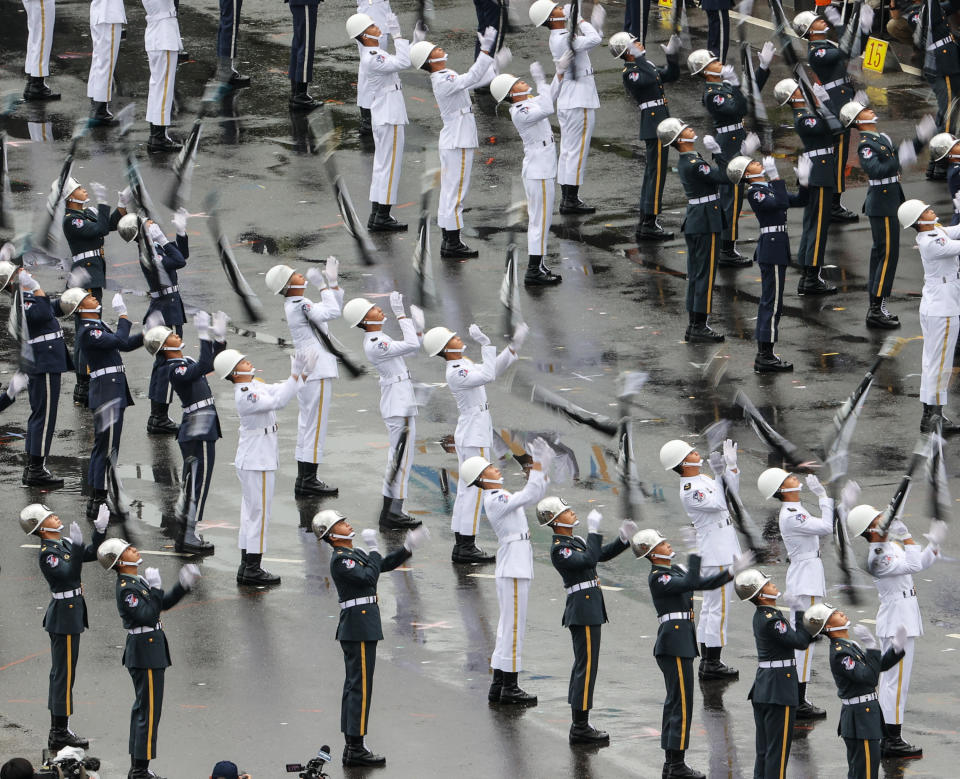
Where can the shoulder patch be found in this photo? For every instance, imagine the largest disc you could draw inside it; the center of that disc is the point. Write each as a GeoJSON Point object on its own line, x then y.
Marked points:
{"type": "Point", "coordinates": [866, 152]}
{"type": "Point", "coordinates": [76, 222]}
{"type": "Point", "coordinates": [383, 346]}
{"type": "Point", "coordinates": [780, 626]}
{"type": "Point", "coordinates": [849, 663]}
{"type": "Point", "coordinates": [664, 578]}
{"type": "Point", "coordinates": [462, 373]}
{"type": "Point", "coordinates": [52, 560]}
{"type": "Point", "coordinates": [699, 496]}
{"type": "Point", "coordinates": [634, 76]}
{"type": "Point", "coordinates": [349, 563]}
{"type": "Point", "coordinates": [810, 121]}
{"type": "Point", "coordinates": [305, 308]}
{"type": "Point", "coordinates": [501, 498]}
{"type": "Point", "coordinates": [182, 369]}
{"type": "Point", "coordinates": [758, 196]}
{"type": "Point", "coordinates": [131, 599]}
{"type": "Point", "coordinates": [566, 551]}
{"type": "Point", "coordinates": [97, 333]}
{"type": "Point", "coordinates": [704, 168]}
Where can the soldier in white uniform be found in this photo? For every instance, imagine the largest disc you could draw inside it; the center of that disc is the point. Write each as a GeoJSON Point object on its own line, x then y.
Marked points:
{"type": "Point", "coordinates": [514, 564]}
{"type": "Point", "coordinates": [161, 39]}
{"type": "Point", "coordinates": [806, 583]}
{"type": "Point", "coordinates": [474, 434]}
{"type": "Point", "coordinates": [939, 307]}
{"type": "Point", "coordinates": [380, 12]}
{"type": "Point", "coordinates": [304, 318]}
{"type": "Point", "coordinates": [398, 405]}
{"type": "Point", "coordinates": [388, 113]}
{"type": "Point", "coordinates": [40, 18]}
{"type": "Point", "coordinates": [257, 457]}
{"type": "Point", "coordinates": [706, 505]}
{"type": "Point", "coordinates": [107, 18]}
{"type": "Point", "coordinates": [892, 566]}
{"type": "Point", "coordinates": [458, 138]}
{"type": "Point", "coordinates": [578, 100]}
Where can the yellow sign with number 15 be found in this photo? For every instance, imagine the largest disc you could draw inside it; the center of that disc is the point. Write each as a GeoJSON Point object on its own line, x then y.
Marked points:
{"type": "Point", "coordinates": [874, 55]}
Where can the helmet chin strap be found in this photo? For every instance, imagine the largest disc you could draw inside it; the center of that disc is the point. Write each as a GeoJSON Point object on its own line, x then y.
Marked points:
{"type": "Point", "coordinates": [296, 286]}
{"type": "Point", "coordinates": [369, 37]}
{"type": "Point", "coordinates": [493, 481]}
{"type": "Point", "coordinates": [566, 524]}
{"type": "Point", "coordinates": [454, 351]}
{"type": "Point", "coordinates": [664, 556]}
{"type": "Point", "coordinates": [837, 627]}
{"type": "Point", "coordinates": [343, 537]}
{"type": "Point", "coordinates": [243, 373]}
{"type": "Point", "coordinates": [438, 59]}
{"type": "Point", "coordinates": [57, 530]}
{"type": "Point", "coordinates": [927, 222]}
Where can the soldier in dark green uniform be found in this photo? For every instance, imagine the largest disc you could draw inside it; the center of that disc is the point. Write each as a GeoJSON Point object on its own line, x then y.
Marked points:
{"type": "Point", "coordinates": [576, 562]}
{"type": "Point", "coordinates": [140, 600]}
{"type": "Point", "coordinates": [856, 668]}
{"type": "Point", "coordinates": [672, 587]}
{"type": "Point", "coordinates": [355, 574]}
{"type": "Point", "coordinates": [61, 563]}
{"type": "Point", "coordinates": [775, 693]}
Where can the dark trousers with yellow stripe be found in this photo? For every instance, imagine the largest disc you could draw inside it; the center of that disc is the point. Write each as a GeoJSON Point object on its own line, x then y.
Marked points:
{"type": "Point", "coordinates": [145, 715]}
{"type": "Point", "coordinates": [64, 650]}
{"type": "Point", "coordinates": [863, 758]}
{"type": "Point", "coordinates": [359, 660]}
{"type": "Point", "coordinates": [884, 255]}
{"type": "Point", "coordinates": [586, 656]}
{"type": "Point", "coordinates": [816, 222]}
{"type": "Point", "coordinates": [678, 705]}
{"type": "Point", "coordinates": [702, 251]}
{"type": "Point", "coordinates": [731, 201]}
{"type": "Point", "coordinates": [654, 177]}
{"type": "Point", "coordinates": [946, 88]}
{"type": "Point", "coordinates": [842, 151]}
{"type": "Point", "coordinates": [774, 736]}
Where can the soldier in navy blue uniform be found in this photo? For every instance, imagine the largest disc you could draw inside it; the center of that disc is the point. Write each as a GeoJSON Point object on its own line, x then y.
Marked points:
{"type": "Point", "coordinates": [718, 26]}
{"type": "Point", "coordinates": [146, 655]}
{"type": "Point", "coordinates": [644, 82]}
{"type": "Point", "coordinates": [302, 46]}
{"type": "Point", "coordinates": [227, 35]}
{"type": "Point", "coordinates": [576, 562]}
{"type": "Point", "coordinates": [61, 563]}
{"type": "Point", "coordinates": [672, 587]}
{"type": "Point", "coordinates": [941, 69]}
{"type": "Point", "coordinates": [768, 197]}
{"type": "Point", "coordinates": [355, 574]}
{"type": "Point", "coordinates": [775, 693]}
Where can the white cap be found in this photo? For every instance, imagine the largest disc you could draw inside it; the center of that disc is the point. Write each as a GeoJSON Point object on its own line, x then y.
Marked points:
{"type": "Point", "coordinates": [860, 518]}
{"type": "Point", "coordinates": [278, 277]}
{"type": "Point", "coordinates": [357, 23]}
{"type": "Point", "coordinates": [435, 339]}
{"type": "Point", "coordinates": [420, 53]}
{"type": "Point", "coordinates": [699, 59]}
{"type": "Point", "coordinates": [540, 11]}
{"type": "Point", "coordinates": [673, 452]}
{"type": "Point", "coordinates": [768, 483]}
{"type": "Point", "coordinates": [909, 212]}
{"type": "Point", "coordinates": [355, 310]}
{"type": "Point", "coordinates": [784, 90]}
{"type": "Point", "coordinates": [472, 468]}
{"type": "Point", "coordinates": [501, 85]}
{"type": "Point", "coordinates": [225, 362]}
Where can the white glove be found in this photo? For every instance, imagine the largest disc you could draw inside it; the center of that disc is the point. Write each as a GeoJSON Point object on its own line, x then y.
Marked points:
{"type": "Point", "coordinates": [103, 519]}
{"type": "Point", "coordinates": [628, 529]}
{"type": "Point", "coordinates": [156, 234]}
{"type": "Point", "coordinates": [502, 58]}
{"type": "Point", "coordinates": [814, 485]}
{"type": "Point", "coordinates": [416, 537]}
{"type": "Point", "coordinates": [937, 533]}
{"type": "Point", "coordinates": [906, 153]}
{"type": "Point", "coordinates": [331, 271]}
{"type": "Point", "coordinates": [866, 19]}
{"type": "Point", "coordinates": [519, 336]}
{"type": "Point", "coordinates": [741, 562]}
{"type": "Point", "coordinates": [672, 47]}
{"type": "Point", "coordinates": [189, 575]}
{"type": "Point", "coordinates": [538, 74]}
{"type": "Point", "coordinates": [76, 534]}
{"type": "Point", "coordinates": [770, 168]}
{"type": "Point", "coordinates": [593, 521]}
{"type": "Point", "coordinates": [219, 328]}
{"type": "Point", "coordinates": [296, 364]}
{"type": "Point", "coordinates": [99, 191]}
{"type": "Point", "coordinates": [118, 305]}
{"type": "Point", "coordinates": [804, 166]}
{"type": "Point", "coordinates": [152, 575]}
{"type": "Point", "coordinates": [488, 38]}
{"type": "Point", "coordinates": [820, 93]}
{"type": "Point", "coordinates": [864, 637]}
{"type": "Point", "coordinates": [179, 221]}
{"type": "Point", "coordinates": [18, 383]}
{"type": "Point", "coordinates": [420, 34]}
{"type": "Point", "coordinates": [715, 461]}
{"type": "Point", "coordinates": [201, 321]}
{"type": "Point", "coordinates": [123, 198]}
{"type": "Point", "coordinates": [597, 17]}
{"type": "Point", "coordinates": [750, 144]}
{"type": "Point", "coordinates": [850, 494]}
{"type": "Point", "coordinates": [315, 276]}
{"type": "Point", "coordinates": [729, 74]}
{"type": "Point", "coordinates": [309, 364]}
{"type": "Point", "coordinates": [956, 202]}
{"type": "Point", "coordinates": [766, 54]}
{"type": "Point", "coordinates": [899, 528]}
{"type": "Point", "coordinates": [396, 304]}
{"type": "Point", "coordinates": [899, 640]}
{"type": "Point", "coordinates": [730, 454]}
{"type": "Point", "coordinates": [7, 252]}
{"type": "Point", "coordinates": [710, 144]}
{"type": "Point", "coordinates": [542, 453]}
{"type": "Point", "coordinates": [477, 335]}
{"type": "Point", "coordinates": [419, 320]}
{"type": "Point", "coordinates": [393, 25]}
{"type": "Point", "coordinates": [27, 282]}
{"type": "Point", "coordinates": [369, 537]}
{"type": "Point", "coordinates": [926, 128]}
{"type": "Point", "coordinates": [561, 63]}
{"type": "Point", "coordinates": [833, 15]}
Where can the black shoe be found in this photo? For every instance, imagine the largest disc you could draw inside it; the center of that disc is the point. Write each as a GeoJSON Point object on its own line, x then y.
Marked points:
{"type": "Point", "coordinates": [361, 756]}
{"type": "Point", "coordinates": [142, 773]}
{"type": "Point", "coordinates": [238, 80]}
{"type": "Point", "coordinates": [840, 213]}
{"type": "Point", "coordinates": [64, 737]}
{"type": "Point", "coordinates": [306, 487]}
{"type": "Point", "coordinates": [381, 221]}
{"type": "Point", "coordinates": [897, 748]}
{"type": "Point", "coordinates": [771, 363]}
{"type": "Point", "coordinates": [38, 90]}
{"type": "Point", "coordinates": [159, 141]}
{"type": "Point", "coordinates": [255, 576]}
{"type": "Point", "coordinates": [879, 318]}
{"type": "Point", "coordinates": [576, 206]}
{"type": "Point", "coordinates": [929, 419]}
{"type": "Point", "coordinates": [585, 733]}
{"type": "Point", "coordinates": [100, 115]}
{"type": "Point", "coordinates": [814, 285]}
{"type": "Point", "coordinates": [301, 99]}
{"type": "Point", "coordinates": [81, 393]}
{"type": "Point", "coordinates": [457, 251]}
{"type": "Point", "coordinates": [188, 542]}
{"type": "Point", "coordinates": [512, 695]}
{"type": "Point", "coordinates": [807, 711]}
{"type": "Point", "coordinates": [716, 669]}
{"type": "Point", "coordinates": [496, 686]}
{"type": "Point", "coordinates": [541, 276]}
{"type": "Point", "coordinates": [39, 476]}
{"type": "Point", "coordinates": [680, 771]}
{"type": "Point", "coordinates": [650, 230]}
{"type": "Point", "coordinates": [93, 503]}
{"type": "Point", "coordinates": [731, 258]}
{"type": "Point", "coordinates": [398, 521]}
{"type": "Point", "coordinates": [157, 425]}
{"type": "Point", "coordinates": [703, 333]}
{"type": "Point", "coordinates": [466, 551]}
{"type": "Point", "coordinates": [366, 127]}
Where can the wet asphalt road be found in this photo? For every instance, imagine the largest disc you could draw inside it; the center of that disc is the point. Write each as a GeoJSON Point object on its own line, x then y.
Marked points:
{"type": "Point", "coordinates": [256, 674]}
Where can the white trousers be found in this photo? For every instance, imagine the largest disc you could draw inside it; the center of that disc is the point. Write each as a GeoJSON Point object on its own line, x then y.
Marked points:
{"type": "Point", "coordinates": [468, 505]}
{"type": "Point", "coordinates": [804, 656]}
{"type": "Point", "coordinates": [540, 193]}
{"type": "Point", "coordinates": [398, 487]}
{"type": "Point", "coordinates": [712, 627]}
{"type": "Point", "coordinates": [314, 399]}
{"type": "Point", "coordinates": [939, 341]}
{"type": "Point", "coordinates": [41, 132]}
{"type": "Point", "coordinates": [163, 75]}
{"type": "Point", "coordinates": [40, 18]}
{"type": "Point", "coordinates": [455, 166]}
{"type": "Point", "coordinates": [895, 684]}
{"type": "Point", "coordinates": [105, 39]}
{"type": "Point", "coordinates": [512, 595]}
{"type": "Point", "coordinates": [576, 130]}
{"type": "Point", "coordinates": [257, 488]}
{"type": "Point", "coordinates": [387, 161]}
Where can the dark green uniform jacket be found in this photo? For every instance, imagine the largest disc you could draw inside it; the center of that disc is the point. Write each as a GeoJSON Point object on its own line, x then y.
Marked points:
{"type": "Point", "coordinates": [856, 672]}
{"type": "Point", "coordinates": [140, 605]}
{"type": "Point", "coordinates": [672, 588]}
{"type": "Point", "coordinates": [776, 640]}
{"type": "Point", "coordinates": [576, 561]}
{"type": "Point", "coordinates": [61, 563]}
{"type": "Point", "coordinates": [355, 574]}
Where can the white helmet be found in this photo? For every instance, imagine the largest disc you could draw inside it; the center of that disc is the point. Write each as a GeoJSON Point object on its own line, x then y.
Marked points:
{"type": "Point", "coordinates": [669, 130]}
{"type": "Point", "coordinates": [472, 468]}
{"type": "Point", "coordinates": [32, 517]}
{"type": "Point", "coordinates": [784, 90]}
{"type": "Point", "coordinates": [698, 60]}
{"type": "Point", "coordinates": [154, 339]}
{"type": "Point", "coordinates": [435, 339]}
{"type": "Point", "coordinates": [277, 278]}
{"type": "Point", "coordinates": [747, 584]}
{"type": "Point", "coordinates": [815, 618]}
{"type": "Point", "coordinates": [128, 227]}
{"type": "Point", "coordinates": [803, 21]}
{"type": "Point", "coordinates": [540, 11]}
{"type": "Point", "coordinates": [8, 272]}
{"type": "Point", "coordinates": [226, 361]}
{"type": "Point", "coordinates": [357, 23]}
{"type": "Point", "coordinates": [550, 508]}
{"type": "Point", "coordinates": [770, 480]}
{"type": "Point", "coordinates": [323, 522]}
{"type": "Point", "coordinates": [356, 310]}
{"type": "Point", "coordinates": [69, 187]}
{"type": "Point", "coordinates": [645, 541]}
{"type": "Point", "coordinates": [860, 518]}
{"type": "Point", "coordinates": [940, 145]}
{"type": "Point", "coordinates": [71, 299]}
{"type": "Point", "coordinates": [620, 43]}
{"type": "Point", "coordinates": [108, 553]}
{"type": "Point", "coordinates": [737, 167]}
{"type": "Point", "coordinates": [673, 452]}
{"type": "Point", "coordinates": [850, 112]}
{"type": "Point", "coordinates": [501, 85]}
{"type": "Point", "coordinates": [910, 212]}
{"type": "Point", "coordinates": [420, 52]}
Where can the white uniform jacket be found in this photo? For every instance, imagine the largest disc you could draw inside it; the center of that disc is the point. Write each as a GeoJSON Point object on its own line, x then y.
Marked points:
{"type": "Point", "coordinates": [801, 533]}
{"type": "Point", "coordinates": [505, 512]}
{"type": "Point", "coordinates": [466, 380]}
{"type": "Point", "coordinates": [107, 12]}
{"type": "Point", "coordinates": [581, 91]}
{"type": "Point", "coordinates": [531, 118]}
{"type": "Point", "coordinates": [396, 388]}
{"type": "Point", "coordinates": [163, 31]}
{"type": "Point", "coordinates": [941, 271]}
{"type": "Point", "coordinates": [452, 92]}
{"type": "Point", "coordinates": [706, 505]}
{"type": "Point", "coordinates": [257, 403]}
{"type": "Point", "coordinates": [381, 69]}
{"type": "Point", "coordinates": [891, 566]}
{"type": "Point", "coordinates": [300, 312]}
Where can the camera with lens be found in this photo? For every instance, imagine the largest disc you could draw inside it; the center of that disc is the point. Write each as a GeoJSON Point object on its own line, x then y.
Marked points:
{"type": "Point", "coordinates": [67, 768]}
{"type": "Point", "coordinates": [314, 768]}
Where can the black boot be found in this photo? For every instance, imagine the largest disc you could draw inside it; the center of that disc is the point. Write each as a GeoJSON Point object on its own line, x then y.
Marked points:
{"type": "Point", "coordinates": [674, 767]}
{"type": "Point", "coordinates": [512, 694]}
{"type": "Point", "coordinates": [356, 753]}
{"type": "Point", "coordinates": [253, 575]}
{"type": "Point", "coordinates": [227, 74]}
{"type": "Point", "coordinates": [455, 249]}
{"type": "Point", "coordinates": [187, 540]}
{"type": "Point", "coordinates": [712, 667]}
{"type": "Point", "coordinates": [81, 391]}
{"type": "Point", "coordinates": [879, 318]}
{"type": "Point", "coordinates": [947, 427]}
{"type": "Point", "coordinates": [768, 362]}
{"type": "Point", "coordinates": [158, 423]}
{"type": "Point", "coordinates": [243, 564]}
{"type": "Point", "coordinates": [929, 419]}
{"type": "Point", "coordinates": [582, 732]}
{"type": "Point", "coordinates": [538, 274]}
{"type": "Point", "coordinates": [936, 171]}
{"type": "Point", "coordinates": [160, 141]}
{"type": "Point", "coordinates": [465, 550]}
{"type": "Point", "coordinates": [393, 517]}
{"type": "Point", "coordinates": [806, 710]}
{"type": "Point", "coordinates": [731, 258]}
{"type": "Point", "coordinates": [893, 745]}
{"type": "Point", "coordinates": [300, 98]}
{"type": "Point", "coordinates": [840, 213]}
{"type": "Point", "coordinates": [61, 736]}
{"type": "Point", "coordinates": [811, 284]}
{"type": "Point", "coordinates": [93, 503]}
{"type": "Point", "coordinates": [649, 229]}
{"type": "Point", "coordinates": [37, 475]}
{"type": "Point", "coordinates": [142, 772]}
{"type": "Point", "coordinates": [37, 89]}
{"type": "Point", "coordinates": [366, 126]}
{"type": "Point", "coordinates": [307, 482]}
{"type": "Point", "coordinates": [700, 332]}
{"type": "Point", "coordinates": [380, 220]}
{"type": "Point", "coordinates": [100, 114]}
{"type": "Point", "coordinates": [570, 202]}
{"type": "Point", "coordinates": [493, 694]}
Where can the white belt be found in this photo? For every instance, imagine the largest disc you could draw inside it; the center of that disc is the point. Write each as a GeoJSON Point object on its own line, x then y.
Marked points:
{"type": "Point", "coordinates": [386, 381]}
{"type": "Point", "coordinates": [456, 113]}
{"type": "Point", "coordinates": [585, 73]}
{"type": "Point", "coordinates": [804, 556]}
{"type": "Point", "coordinates": [199, 404]}
{"type": "Point", "coordinates": [776, 663]}
{"type": "Point", "coordinates": [859, 699]}
{"type": "Point", "coordinates": [346, 604]}
{"type": "Point", "coordinates": [838, 83]}
{"type": "Point", "coordinates": [729, 128]}
{"type": "Point", "coordinates": [675, 615]}
{"type": "Point", "coordinates": [881, 182]}
{"type": "Point", "coordinates": [949, 279]}
{"type": "Point", "coordinates": [138, 631]}
{"type": "Point", "coordinates": [941, 42]}
{"type": "Point", "coordinates": [911, 593]}
{"type": "Point", "coordinates": [725, 522]}
{"type": "Point", "coordinates": [652, 103]}
{"type": "Point", "coordinates": [476, 408]}
{"type": "Point", "coordinates": [514, 537]}
{"type": "Point", "coordinates": [91, 253]}
{"type": "Point", "coordinates": [68, 594]}
{"type": "Point", "coordinates": [582, 586]}
{"type": "Point", "coordinates": [546, 143]}
{"type": "Point", "coordinates": [165, 291]}
{"type": "Point", "coordinates": [105, 371]}
{"type": "Point", "coordinates": [818, 152]}
{"type": "Point", "coordinates": [47, 337]}
{"type": "Point", "coordinates": [162, 15]}
{"type": "Point", "coordinates": [265, 430]}
{"type": "Point", "coordinates": [698, 200]}
{"type": "Point", "coordinates": [773, 229]}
